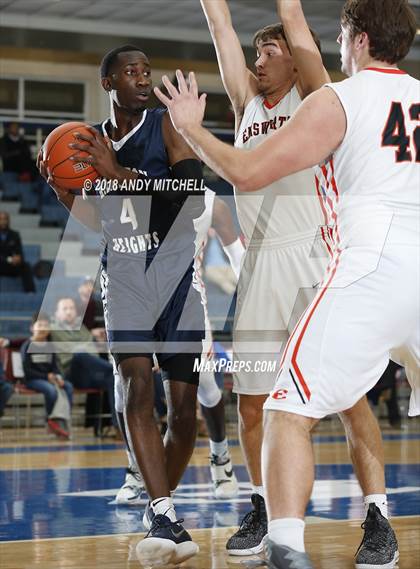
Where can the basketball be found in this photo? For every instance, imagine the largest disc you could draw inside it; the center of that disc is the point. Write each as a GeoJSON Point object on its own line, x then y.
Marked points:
{"type": "Point", "coordinates": [56, 154]}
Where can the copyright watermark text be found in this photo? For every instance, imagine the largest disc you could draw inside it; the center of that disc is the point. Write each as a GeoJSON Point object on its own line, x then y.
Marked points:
{"type": "Point", "coordinates": [142, 185]}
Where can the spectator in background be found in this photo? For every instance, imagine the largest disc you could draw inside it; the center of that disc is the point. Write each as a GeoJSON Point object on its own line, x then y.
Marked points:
{"type": "Point", "coordinates": [12, 263]}
{"type": "Point", "coordinates": [16, 154]}
{"type": "Point", "coordinates": [89, 309]}
{"type": "Point", "coordinates": [386, 390]}
{"type": "Point", "coordinates": [6, 389]}
{"type": "Point", "coordinates": [77, 354]}
{"type": "Point", "coordinates": [42, 374]}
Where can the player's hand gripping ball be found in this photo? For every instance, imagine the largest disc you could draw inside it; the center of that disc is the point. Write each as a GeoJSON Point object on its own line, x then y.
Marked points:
{"type": "Point", "coordinates": [56, 156]}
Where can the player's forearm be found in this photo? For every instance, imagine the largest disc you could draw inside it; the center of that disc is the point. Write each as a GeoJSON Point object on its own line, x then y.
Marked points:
{"type": "Point", "coordinates": [311, 72]}
{"type": "Point", "coordinates": [81, 210]}
{"type": "Point", "coordinates": [229, 162]}
{"type": "Point", "coordinates": [217, 15]}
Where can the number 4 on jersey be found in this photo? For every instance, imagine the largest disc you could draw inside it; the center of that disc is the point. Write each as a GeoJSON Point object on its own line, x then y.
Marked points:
{"type": "Point", "coordinates": [395, 134]}
{"type": "Point", "coordinates": [128, 215]}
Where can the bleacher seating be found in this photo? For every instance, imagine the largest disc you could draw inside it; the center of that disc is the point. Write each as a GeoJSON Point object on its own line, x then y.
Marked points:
{"type": "Point", "coordinates": [14, 191]}
{"type": "Point", "coordinates": [10, 284]}
{"type": "Point", "coordinates": [32, 253]}
{"type": "Point", "coordinates": [54, 215]}
{"type": "Point", "coordinates": [7, 178]}
{"type": "Point", "coordinates": [12, 365]}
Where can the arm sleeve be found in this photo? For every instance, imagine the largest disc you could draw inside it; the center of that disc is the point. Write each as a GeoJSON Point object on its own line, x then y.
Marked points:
{"type": "Point", "coordinates": [177, 190]}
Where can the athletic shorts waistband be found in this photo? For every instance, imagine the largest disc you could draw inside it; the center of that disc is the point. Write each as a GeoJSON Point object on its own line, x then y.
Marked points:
{"type": "Point", "coordinates": [282, 242]}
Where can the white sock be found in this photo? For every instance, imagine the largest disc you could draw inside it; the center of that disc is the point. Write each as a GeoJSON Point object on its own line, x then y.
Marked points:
{"type": "Point", "coordinates": [258, 490]}
{"type": "Point", "coordinates": [165, 507]}
{"type": "Point", "coordinates": [289, 532]}
{"type": "Point", "coordinates": [221, 450]}
{"type": "Point", "coordinates": [380, 501]}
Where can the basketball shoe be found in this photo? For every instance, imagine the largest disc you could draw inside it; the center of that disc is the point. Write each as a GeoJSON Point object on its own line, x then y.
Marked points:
{"type": "Point", "coordinates": [379, 547]}
{"type": "Point", "coordinates": [166, 543]}
{"type": "Point", "coordinates": [225, 483]}
{"type": "Point", "coordinates": [249, 539]}
{"type": "Point", "coordinates": [59, 428]}
{"type": "Point", "coordinates": [283, 557]}
{"type": "Point", "coordinates": [132, 489]}
{"type": "Point", "coordinates": [148, 517]}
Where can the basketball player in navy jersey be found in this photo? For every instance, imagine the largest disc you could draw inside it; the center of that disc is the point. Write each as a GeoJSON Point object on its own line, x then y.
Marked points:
{"type": "Point", "coordinates": [151, 305]}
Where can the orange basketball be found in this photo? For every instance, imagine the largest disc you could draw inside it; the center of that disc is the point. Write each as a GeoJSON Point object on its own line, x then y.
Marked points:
{"type": "Point", "coordinates": [56, 154]}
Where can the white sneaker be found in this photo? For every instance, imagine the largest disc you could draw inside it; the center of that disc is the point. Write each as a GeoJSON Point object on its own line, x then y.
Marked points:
{"type": "Point", "coordinates": [225, 483]}
{"type": "Point", "coordinates": [148, 517]}
{"type": "Point", "coordinates": [132, 489]}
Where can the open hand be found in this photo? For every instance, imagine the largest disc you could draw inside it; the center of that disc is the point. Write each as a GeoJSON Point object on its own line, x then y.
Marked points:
{"type": "Point", "coordinates": [185, 107]}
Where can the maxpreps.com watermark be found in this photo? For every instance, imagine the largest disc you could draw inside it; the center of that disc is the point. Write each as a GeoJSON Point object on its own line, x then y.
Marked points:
{"type": "Point", "coordinates": [224, 365]}
{"type": "Point", "coordinates": [104, 187]}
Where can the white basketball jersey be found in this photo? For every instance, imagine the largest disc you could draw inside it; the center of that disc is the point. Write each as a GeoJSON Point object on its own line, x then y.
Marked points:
{"type": "Point", "coordinates": [373, 178]}
{"type": "Point", "coordinates": [290, 209]}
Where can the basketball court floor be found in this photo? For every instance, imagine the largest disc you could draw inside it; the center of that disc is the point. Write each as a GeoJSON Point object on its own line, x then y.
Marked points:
{"type": "Point", "coordinates": [56, 506]}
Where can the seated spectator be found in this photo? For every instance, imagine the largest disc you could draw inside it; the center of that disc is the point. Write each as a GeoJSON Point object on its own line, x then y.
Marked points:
{"type": "Point", "coordinates": [12, 263]}
{"type": "Point", "coordinates": [89, 309]}
{"type": "Point", "coordinates": [6, 389]}
{"type": "Point", "coordinates": [77, 354]}
{"type": "Point", "coordinates": [42, 374]}
{"type": "Point", "coordinates": [16, 154]}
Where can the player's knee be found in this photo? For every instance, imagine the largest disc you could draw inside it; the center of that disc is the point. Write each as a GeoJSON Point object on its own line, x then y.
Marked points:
{"type": "Point", "coordinates": [250, 410]}
{"type": "Point", "coordinates": [282, 421]}
{"type": "Point", "coordinates": [182, 420]}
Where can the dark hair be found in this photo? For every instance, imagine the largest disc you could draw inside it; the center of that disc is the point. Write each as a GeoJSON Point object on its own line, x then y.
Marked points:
{"type": "Point", "coordinates": [109, 58]}
{"type": "Point", "coordinates": [40, 316]}
{"type": "Point", "coordinates": [390, 25]}
{"type": "Point", "coordinates": [275, 32]}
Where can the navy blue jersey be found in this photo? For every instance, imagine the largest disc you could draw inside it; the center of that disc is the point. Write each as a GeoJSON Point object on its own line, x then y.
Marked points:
{"type": "Point", "coordinates": [135, 224]}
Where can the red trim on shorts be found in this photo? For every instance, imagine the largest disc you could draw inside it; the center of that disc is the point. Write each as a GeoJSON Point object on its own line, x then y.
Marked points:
{"type": "Point", "coordinates": [392, 71]}
{"type": "Point", "coordinates": [327, 245]}
{"type": "Point", "coordinates": [305, 326]}
{"type": "Point", "coordinates": [289, 340]}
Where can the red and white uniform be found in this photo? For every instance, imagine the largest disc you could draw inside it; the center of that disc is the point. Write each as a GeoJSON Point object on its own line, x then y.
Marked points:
{"type": "Point", "coordinates": [368, 307]}
{"type": "Point", "coordinates": [284, 254]}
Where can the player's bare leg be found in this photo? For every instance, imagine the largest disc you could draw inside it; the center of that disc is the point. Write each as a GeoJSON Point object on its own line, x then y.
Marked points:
{"type": "Point", "coordinates": [167, 542]}
{"type": "Point", "coordinates": [249, 539]}
{"type": "Point", "coordinates": [133, 487]}
{"type": "Point", "coordinates": [250, 414]}
{"type": "Point", "coordinates": [288, 475]}
{"type": "Point", "coordinates": [366, 450]}
{"type": "Point", "coordinates": [365, 446]}
{"type": "Point", "coordinates": [144, 436]}
{"type": "Point", "coordinates": [182, 426]}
